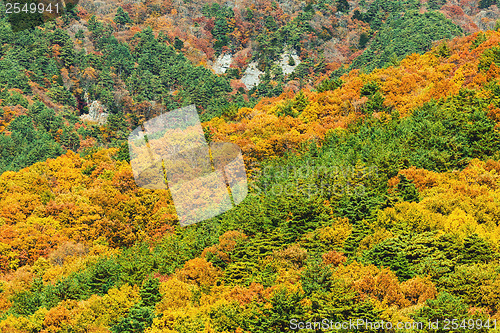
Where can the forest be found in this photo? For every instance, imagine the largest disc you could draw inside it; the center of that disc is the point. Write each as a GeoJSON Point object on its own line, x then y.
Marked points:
{"type": "Point", "coordinates": [373, 168]}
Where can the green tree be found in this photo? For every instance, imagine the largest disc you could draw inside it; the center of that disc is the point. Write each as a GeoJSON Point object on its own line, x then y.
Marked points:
{"type": "Point", "coordinates": [341, 304]}
{"type": "Point", "coordinates": [486, 3]}
{"type": "Point", "coordinates": [470, 282]}
{"type": "Point", "coordinates": [316, 278]}
{"type": "Point", "coordinates": [150, 292]}
{"type": "Point", "coordinates": [103, 276]}
{"type": "Point", "coordinates": [369, 88]}
{"type": "Point", "coordinates": [25, 303]}
{"type": "Point", "coordinates": [300, 101]}
{"type": "Point", "coordinates": [285, 306]}
{"type": "Point", "coordinates": [475, 250]}
{"type": "Point", "coordinates": [407, 190]}
{"type": "Point", "coordinates": [178, 44]}
{"type": "Point", "coordinates": [446, 306]}
{"type": "Point", "coordinates": [329, 85]}
{"type": "Point", "coordinates": [391, 253]}
{"type": "Point", "coordinates": [480, 39]}
{"type": "Point", "coordinates": [363, 39]}
{"type": "Point", "coordinates": [136, 321]}
{"type": "Point", "coordinates": [342, 6]}
{"type": "Point", "coordinates": [122, 17]}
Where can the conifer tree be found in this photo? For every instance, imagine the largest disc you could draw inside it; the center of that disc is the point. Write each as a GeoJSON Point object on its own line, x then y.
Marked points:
{"type": "Point", "coordinates": [342, 6]}
{"type": "Point", "coordinates": [136, 321]}
{"type": "Point", "coordinates": [301, 101]}
{"type": "Point", "coordinates": [150, 292]}
{"type": "Point", "coordinates": [407, 190]}
{"type": "Point", "coordinates": [178, 44]}
{"type": "Point", "coordinates": [122, 17]}
{"type": "Point", "coordinates": [475, 249]}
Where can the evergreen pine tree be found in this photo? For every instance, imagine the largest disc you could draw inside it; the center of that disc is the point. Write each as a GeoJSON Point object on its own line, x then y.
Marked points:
{"type": "Point", "coordinates": [475, 249]}
{"type": "Point", "coordinates": [136, 321]}
{"type": "Point", "coordinates": [407, 190]}
{"type": "Point", "coordinates": [178, 44]}
{"type": "Point", "coordinates": [301, 101]}
{"type": "Point", "coordinates": [342, 6]}
{"type": "Point", "coordinates": [122, 17]}
{"type": "Point", "coordinates": [360, 230]}
{"type": "Point", "coordinates": [316, 278]}
{"type": "Point", "coordinates": [486, 3]}
{"type": "Point", "coordinates": [150, 292]}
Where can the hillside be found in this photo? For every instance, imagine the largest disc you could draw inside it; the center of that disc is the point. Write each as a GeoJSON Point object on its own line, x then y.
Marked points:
{"type": "Point", "coordinates": [99, 70]}
{"type": "Point", "coordinates": [372, 195]}
{"type": "Point", "coordinates": [338, 29]}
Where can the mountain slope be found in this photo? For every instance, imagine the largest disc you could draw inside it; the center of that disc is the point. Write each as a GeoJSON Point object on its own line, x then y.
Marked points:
{"type": "Point", "coordinates": [376, 197]}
